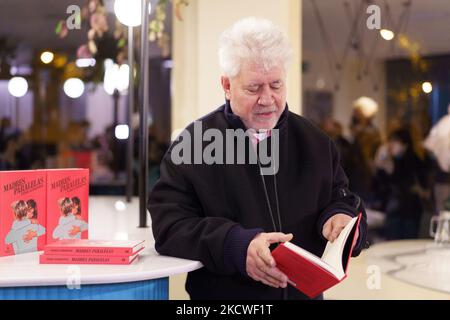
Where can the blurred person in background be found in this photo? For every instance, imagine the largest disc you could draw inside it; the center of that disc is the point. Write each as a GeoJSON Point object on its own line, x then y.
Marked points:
{"type": "Point", "coordinates": [366, 140]}
{"type": "Point", "coordinates": [438, 142]}
{"type": "Point", "coordinates": [335, 131]}
{"type": "Point", "coordinates": [402, 185]}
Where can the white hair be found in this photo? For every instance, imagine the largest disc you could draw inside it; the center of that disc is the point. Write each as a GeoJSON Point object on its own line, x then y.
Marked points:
{"type": "Point", "coordinates": [254, 40]}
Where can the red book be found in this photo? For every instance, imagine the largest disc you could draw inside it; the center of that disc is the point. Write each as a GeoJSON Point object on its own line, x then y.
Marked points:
{"type": "Point", "coordinates": [84, 247]}
{"type": "Point", "coordinates": [22, 211]}
{"type": "Point", "coordinates": [62, 259]}
{"type": "Point", "coordinates": [67, 204]}
{"type": "Point", "coordinates": [311, 274]}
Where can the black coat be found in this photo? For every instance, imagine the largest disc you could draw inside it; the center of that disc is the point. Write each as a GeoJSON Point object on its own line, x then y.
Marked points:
{"type": "Point", "coordinates": [193, 207]}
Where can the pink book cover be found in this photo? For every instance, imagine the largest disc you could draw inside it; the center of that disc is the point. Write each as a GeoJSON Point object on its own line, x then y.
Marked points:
{"type": "Point", "coordinates": [67, 204]}
{"type": "Point", "coordinates": [84, 247]}
{"type": "Point", "coordinates": [61, 259]}
{"type": "Point", "coordinates": [22, 211]}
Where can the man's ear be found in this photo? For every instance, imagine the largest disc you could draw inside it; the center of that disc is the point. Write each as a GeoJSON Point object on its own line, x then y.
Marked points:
{"type": "Point", "coordinates": [226, 85]}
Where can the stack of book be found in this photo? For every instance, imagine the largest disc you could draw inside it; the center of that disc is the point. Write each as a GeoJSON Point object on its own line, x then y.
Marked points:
{"type": "Point", "coordinates": [84, 251]}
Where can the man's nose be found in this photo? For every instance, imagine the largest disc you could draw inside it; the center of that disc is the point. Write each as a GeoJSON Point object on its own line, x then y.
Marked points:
{"type": "Point", "coordinates": [266, 97]}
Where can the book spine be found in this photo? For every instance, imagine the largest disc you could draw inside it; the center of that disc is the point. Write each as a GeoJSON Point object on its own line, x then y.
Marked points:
{"type": "Point", "coordinates": [89, 251]}
{"type": "Point", "coordinates": [45, 259]}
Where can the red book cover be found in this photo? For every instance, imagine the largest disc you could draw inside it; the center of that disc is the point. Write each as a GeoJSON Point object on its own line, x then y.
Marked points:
{"type": "Point", "coordinates": [61, 259]}
{"type": "Point", "coordinates": [313, 275]}
{"type": "Point", "coordinates": [67, 204]}
{"type": "Point", "coordinates": [22, 211]}
{"type": "Point", "coordinates": [84, 247]}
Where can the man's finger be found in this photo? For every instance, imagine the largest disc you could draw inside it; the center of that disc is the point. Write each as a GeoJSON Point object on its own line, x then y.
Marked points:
{"type": "Point", "coordinates": [264, 254]}
{"type": "Point", "coordinates": [275, 237]}
{"type": "Point", "coordinates": [273, 273]}
{"type": "Point", "coordinates": [335, 233]}
{"type": "Point", "coordinates": [326, 232]}
{"type": "Point", "coordinates": [266, 279]}
{"type": "Point", "coordinates": [276, 274]}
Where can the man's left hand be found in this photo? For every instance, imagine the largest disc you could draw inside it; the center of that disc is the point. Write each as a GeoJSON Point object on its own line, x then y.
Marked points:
{"type": "Point", "coordinates": [334, 225]}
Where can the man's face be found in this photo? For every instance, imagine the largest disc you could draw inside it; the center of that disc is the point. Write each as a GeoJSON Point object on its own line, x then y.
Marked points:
{"type": "Point", "coordinates": [257, 96]}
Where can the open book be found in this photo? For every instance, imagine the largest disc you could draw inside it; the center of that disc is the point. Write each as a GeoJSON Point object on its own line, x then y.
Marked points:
{"type": "Point", "coordinates": [312, 274]}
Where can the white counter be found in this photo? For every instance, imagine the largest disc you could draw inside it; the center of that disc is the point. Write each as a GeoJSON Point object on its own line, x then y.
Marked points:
{"type": "Point", "coordinates": [105, 222]}
{"type": "Point", "coordinates": [394, 270]}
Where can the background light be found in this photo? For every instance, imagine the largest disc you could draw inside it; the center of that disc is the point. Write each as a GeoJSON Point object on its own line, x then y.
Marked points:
{"type": "Point", "coordinates": [122, 131]}
{"type": "Point", "coordinates": [427, 87]}
{"type": "Point", "coordinates": [47, 57]}
{"type": "Point", "coordinates": [120, 205]}
{"type": "Point", "coordinates": [73, 88]}
{"type": "Point", "coordinates": [366, 105]}
{"type": "Point", "coordinates": [116, 78]}
{"type": "Point", "coordinates": [17, 86]}
{"type": "Point", "coordinates": [387, 34]}
{"type": "Point", "coordinates": [107, 63]}
{"type": "Point", "coordinates": [128, 12]}
{"type": "Point", "coordinates": [85, 62]}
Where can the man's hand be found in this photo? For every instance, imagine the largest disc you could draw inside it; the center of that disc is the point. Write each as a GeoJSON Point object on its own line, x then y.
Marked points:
{"type": "Point", "coordinates": [260, 263]}
{"type": "Point", "coordinates": [333, 227]}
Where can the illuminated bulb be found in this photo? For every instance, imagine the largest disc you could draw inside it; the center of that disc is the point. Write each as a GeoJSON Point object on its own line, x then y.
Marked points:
{"type": "Point", "coordinates": [122, 131]}
{"type": "Point", "coordinates": [73, 87]}
{"type": "Point", "coordinates": [17, 86]}
{"type": "Point", "coordinates": [427, 87]}
{"type": "Point", "coordinates": [47, 57]}
{"type": "Point", "coordinates": [128, 12]}
{"type": "Point", "coordinates": [387, 34]}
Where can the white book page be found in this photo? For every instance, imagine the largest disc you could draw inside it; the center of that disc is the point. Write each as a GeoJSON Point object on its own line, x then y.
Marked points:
{"type": "Point", "coordinates": [334, 250]}
{"type": "Point", "coordinates": [313, 258]}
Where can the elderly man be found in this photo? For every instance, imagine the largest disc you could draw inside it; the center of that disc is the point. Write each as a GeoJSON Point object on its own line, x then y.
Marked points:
{"type": "Point", "coordinates": [229, 216]}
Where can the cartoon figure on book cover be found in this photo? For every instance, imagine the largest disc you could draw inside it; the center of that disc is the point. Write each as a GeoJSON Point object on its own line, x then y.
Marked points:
{"type": "Point", "coordinates": [25, 229]}
{"type": "Point", "coordinates": [70, 225]}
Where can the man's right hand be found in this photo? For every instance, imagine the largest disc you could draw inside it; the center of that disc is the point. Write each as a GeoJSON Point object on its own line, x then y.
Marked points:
{"type": "Point", "coordinates": [260, 263]}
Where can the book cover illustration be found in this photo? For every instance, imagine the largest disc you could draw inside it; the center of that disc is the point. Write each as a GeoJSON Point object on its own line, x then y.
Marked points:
{"type": "Point", "coordinates": [22, 211]}
{"type": "Point", "coordinates": [67, 204]}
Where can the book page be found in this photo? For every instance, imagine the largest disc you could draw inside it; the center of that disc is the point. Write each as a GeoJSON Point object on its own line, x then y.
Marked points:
{"type": "Point", "coordinates": [334, 250]}
{"type": "Point", "coordinates": [313, 258]}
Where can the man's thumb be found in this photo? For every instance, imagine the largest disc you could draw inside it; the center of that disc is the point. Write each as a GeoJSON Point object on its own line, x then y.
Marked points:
{"type": "Point", "coordinates": [288, 237]}
{"type": "Point", "coordinates": [280, 237]}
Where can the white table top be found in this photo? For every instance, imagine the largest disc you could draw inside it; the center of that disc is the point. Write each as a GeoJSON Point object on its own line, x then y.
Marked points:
{"type": "Point", "coordinates": [406, 269]}
{"type": "Point", "coordinates": [107, 220]}
{"type": "Point", "coordinates": [418, 262]}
